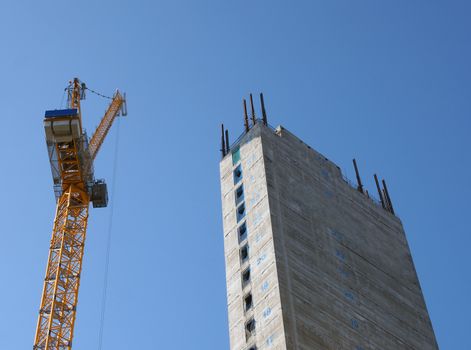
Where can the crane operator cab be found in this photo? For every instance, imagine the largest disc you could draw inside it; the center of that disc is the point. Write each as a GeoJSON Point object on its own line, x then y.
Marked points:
{"type": "Point", "coordinates": [62, 126]}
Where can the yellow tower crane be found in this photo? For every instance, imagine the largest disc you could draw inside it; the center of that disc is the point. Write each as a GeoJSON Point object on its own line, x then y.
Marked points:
{"type": "Point", "coordinates": [71, 154]}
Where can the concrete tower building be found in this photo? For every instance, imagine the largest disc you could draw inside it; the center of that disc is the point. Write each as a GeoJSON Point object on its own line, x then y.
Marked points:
{"type": "Point", "coordinates": [312, 262]}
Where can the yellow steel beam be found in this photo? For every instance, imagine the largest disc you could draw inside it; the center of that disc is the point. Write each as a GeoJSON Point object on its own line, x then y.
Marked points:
{"type": "Point", "coordinates": [74, 94]}
{"type": "Point", "coordinates": [105, 124]}
{"type": "Point", "coordinates": [56, 319]}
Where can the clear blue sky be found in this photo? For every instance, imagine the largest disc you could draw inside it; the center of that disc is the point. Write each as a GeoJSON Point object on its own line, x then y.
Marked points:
{"type": "Point", "coordinates": [387, 82]}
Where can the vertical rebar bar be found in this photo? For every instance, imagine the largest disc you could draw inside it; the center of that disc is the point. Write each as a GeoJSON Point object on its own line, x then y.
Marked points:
{"type": "Point", "coordinates": [360, 185]}
{"type": "Point", "coordinates": [254, 119]}
{"type": "Point", "coordinates": [223, 144]}
{"type": "Point", "coordinates": [388, 198]}
{"type": "Point", "coordinates": [246, 117]}
{"type": "Point", "coordinates": [264, 112]}
{"type": "Point", "coordinates": [379, 191]}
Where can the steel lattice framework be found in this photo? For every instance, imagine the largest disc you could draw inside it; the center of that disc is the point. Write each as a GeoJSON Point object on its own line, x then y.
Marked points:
{"type": "Point", "coordinates": [61, 284]}
{"type": "Point", "coordinates": [71, 159]}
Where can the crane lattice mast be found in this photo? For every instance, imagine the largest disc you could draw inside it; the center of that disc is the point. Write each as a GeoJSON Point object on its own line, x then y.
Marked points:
{"type": "Point", "coordinates": [71, 155]}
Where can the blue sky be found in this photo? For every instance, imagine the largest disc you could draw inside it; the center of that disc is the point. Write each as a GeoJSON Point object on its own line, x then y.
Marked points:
{"type": "Point", "coordinates": [385, 82]}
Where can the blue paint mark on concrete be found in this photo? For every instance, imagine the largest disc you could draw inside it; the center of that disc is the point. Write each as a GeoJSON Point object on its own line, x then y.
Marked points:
{"type": "Point", "coordinates": [339, 254]}
{"type": "Point", "coordinates": [258, 237]}
{"type": "Point", "coordinates": [349, 295]}
{"type": "Point", "coordinates": [265, 286]}
{"type": "Point", "coordinates": [355, 323]}
{"type": "Point", "coordinates": [261, 259]}
{"type": "Point", "coordinates": [339, 236]}
{"type": "Point", "coordinates": [343, 272]}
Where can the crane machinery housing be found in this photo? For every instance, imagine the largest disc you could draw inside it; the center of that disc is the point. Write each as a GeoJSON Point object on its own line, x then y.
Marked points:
{"type": "Point", "coordinates": [71, 156]}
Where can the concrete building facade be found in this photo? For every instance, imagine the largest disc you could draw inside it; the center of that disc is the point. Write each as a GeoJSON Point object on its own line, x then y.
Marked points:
{"type": "Point", "coordinates": [311, 262]}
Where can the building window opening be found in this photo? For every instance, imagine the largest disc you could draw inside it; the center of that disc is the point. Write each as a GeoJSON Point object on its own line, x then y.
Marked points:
{"type": "Point", "coordinates": [239, 194]}
{"type": "Point", "coordinates": [248, 303]}
{"type": "Point", "coordinates": [249, 329]}
{"type": "Point", "coordinates": [237, 174]}
{"type": "Point", "coordinates": [242, 231]}
{"type": "Point", "coordinates": [244, 253]}
{"type": "Point", "coordinates": [246, 277]}
{"type": "Point", "coordinates": [240, 212]}
{"type": "Point", "coordinates": [236, 156]}
{"type": "Point", "coordinates": [253, 347]}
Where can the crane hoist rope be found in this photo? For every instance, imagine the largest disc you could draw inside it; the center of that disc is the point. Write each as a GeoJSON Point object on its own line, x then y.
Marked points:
{"type": "Point", "coordinates": [71, 156]}
{"type": "Point", "coordinates": [108, 241]}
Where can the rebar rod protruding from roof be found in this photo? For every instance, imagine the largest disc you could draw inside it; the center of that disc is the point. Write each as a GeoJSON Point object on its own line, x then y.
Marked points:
{"type": "Point", "coordinates": [388, 205]}
{"type": "Point", "coordinates": [227, 141]}
{"type": "Point", "coordinates": [386, 192]}
{"type": "Point", "coordinates": [379, 191]}
{"type": "Point", "coordinates": [254, 119]}
{"type": "Point", "coordinates": [246, 117]}
{"type": "Point", "coordinates": [264, 112]}
{"type": "Point", "coordinates": [223, 143]}
{"type": "Point", "coordinates": [360, 185]}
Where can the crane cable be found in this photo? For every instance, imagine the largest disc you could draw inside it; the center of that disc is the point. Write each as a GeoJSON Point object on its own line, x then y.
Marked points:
{"type": "Point", "coordinates": [97, 93]}
{"type": "Point", "coordinates": [108, 243]}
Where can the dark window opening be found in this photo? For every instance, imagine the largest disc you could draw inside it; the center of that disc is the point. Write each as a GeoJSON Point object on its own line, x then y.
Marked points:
{"type": "Point", "coordinates": [242, 230]}
{"type": "Point", "coordinates": [237, 174]}
{"type": "Point", "coordinates": [246, 277]}
{"type": "Point", "coordinates": [240, 212]}
{"type": "Point", "coordinates": [239, 194]}
{"type": "Point", "coordinates": [248, 302]}
{"type": "Point", "coordinates": [252, 348]}
{"type": "Point", "coordinates": [250, 328]}
{"type": "Point", "coordinates": [244, 253]}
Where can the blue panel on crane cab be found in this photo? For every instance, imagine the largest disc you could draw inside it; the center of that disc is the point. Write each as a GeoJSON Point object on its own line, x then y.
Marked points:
{"type": "Point", "coordinates": [71, 112]}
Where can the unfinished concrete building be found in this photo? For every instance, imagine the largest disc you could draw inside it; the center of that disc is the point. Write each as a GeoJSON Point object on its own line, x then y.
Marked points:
{"type": "Point", "coordinates": [312, 261]}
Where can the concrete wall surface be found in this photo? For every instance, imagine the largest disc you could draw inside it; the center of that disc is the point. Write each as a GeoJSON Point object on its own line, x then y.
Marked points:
{"type": "Point", "coordinates": [329, 267]}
